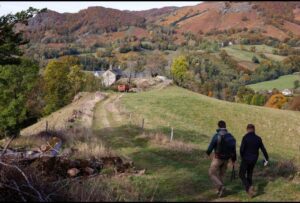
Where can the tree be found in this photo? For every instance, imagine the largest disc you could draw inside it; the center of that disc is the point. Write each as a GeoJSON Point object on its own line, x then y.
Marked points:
{"type": "Point", "coordinates": [255, 59]}
{"type": "Point", "coordinates": [156, 63]}
{"type": "Point", "coordinates": [136, 64]}
{"type": "Point", "coordinates": [276, 101]}
{"type": "Point", "coordinates": [17, 76]}
{"type": "Point", "coordinates": [92, 83]}
{"type": "Point", "coordinates": [296, 84]}
{"type": "Point", "coordinates": [245, 94]}
{"type": "Point", "coordinates": [76, 78]}
{"type": "Point", "coordinates": [9, 39]}
{"type": "Point", "coordinates": [295, 104]}
{"type": "Point", "coordinates": [16, 82]}
{"type": "Point", "coordinates": [258, 100]}
{"type": "Point", "coordinates": [292, 64]}
{"type": "Point", "coordinates": [253, 49]}
{"type": "Point", "coordinates": [179, 69]}
{"type": "Point", "coordinates": [58, 87]}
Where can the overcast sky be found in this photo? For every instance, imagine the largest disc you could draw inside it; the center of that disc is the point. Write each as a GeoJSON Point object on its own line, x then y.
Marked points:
{"type": "Point", "coordinates": [71, 7]}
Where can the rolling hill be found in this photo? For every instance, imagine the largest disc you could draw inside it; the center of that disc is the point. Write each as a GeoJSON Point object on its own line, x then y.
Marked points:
{"type": "Point", "coordinates": [190, 112]}
{"type": "Point", "coordinates": [275, 19]}
{"type": "Point", "coordinates": [96, 22]}
{"type": "Point", "coordinates": [87, 22]}
{"type": "Point", "coordinates": [177, 170]}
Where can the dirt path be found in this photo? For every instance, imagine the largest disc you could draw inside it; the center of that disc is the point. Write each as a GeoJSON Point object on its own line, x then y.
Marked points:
{"type": "Point", "coordinates": [113, 109]}
{"type": "Point", "coordinates": [58, 120]}
{"type": "Point", "coordinates": [107, 113]}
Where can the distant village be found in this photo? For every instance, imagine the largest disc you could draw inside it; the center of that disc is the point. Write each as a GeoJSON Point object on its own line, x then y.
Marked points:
{"type": "Point", "coordinates": [113, 74]}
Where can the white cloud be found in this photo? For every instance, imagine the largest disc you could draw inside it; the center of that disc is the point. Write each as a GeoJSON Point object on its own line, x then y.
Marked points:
{"type": "Point", "coordinates": [71, 7]}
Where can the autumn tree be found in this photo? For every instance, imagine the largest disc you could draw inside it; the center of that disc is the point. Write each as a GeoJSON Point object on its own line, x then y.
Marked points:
{"type": "Point", "coordinates": [156, 63]}
{"type": "Point", "coordinates": [136, 64]}
{"type": "Point", "coordinates": [179, 69]}
{"type": "Point", "coordinates": [276, 101]}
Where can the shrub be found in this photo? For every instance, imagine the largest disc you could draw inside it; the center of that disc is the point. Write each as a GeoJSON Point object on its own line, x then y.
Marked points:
{"type": "Point", "coordinates": [255, 59]}
{"type": "Point", "coordinates": [253, 49]}
{"type": "Point", "coordinates": [245, 18]}
{"type": "Point", "coordinates": [285, 168]}
{"type": "Point", "coordinates": [294, 104]}
{"type": "Point", "coordinates": [179, 69]}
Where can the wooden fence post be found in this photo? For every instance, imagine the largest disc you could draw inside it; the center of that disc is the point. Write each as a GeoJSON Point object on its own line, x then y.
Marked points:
{"type": "Point", "coordinates": [130, 119]}
{"type": "Point", "coordinates": [46, 126]}
{"type": "Point", "coordinates": [172, 133]}
{"type": "Point", "coordinates": [143, 121]}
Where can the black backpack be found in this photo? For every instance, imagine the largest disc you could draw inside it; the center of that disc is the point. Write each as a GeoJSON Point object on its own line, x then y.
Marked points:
{"type": "Point", "coordinates": [225, 145]}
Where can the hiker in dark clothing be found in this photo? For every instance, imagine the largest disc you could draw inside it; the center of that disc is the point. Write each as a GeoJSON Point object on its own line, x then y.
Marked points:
{"type": "Point", "coordinates": [223, 143]}
{"type": "Point", "coordinates": [249, 152]}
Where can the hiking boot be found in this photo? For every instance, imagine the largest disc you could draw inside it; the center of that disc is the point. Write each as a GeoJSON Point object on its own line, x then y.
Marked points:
{"type": "Point", "coordinates": [251, 192]}
{"type": "Point", "coordinates": [221, 191]}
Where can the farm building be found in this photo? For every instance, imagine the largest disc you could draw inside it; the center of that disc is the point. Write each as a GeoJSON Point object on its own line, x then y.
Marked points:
{"type": "Point", "coordinates": [98, 73]}
{"type": "Point", "coordinates": [287, 92]}
{"type": "Point", "coordinates": [110, 76]}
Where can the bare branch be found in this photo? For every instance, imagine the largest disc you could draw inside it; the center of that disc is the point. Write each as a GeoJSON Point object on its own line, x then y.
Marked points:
{"type": "Point", "coordinates": [41, 199]}
{"type": "Point", "coordinates": [20, 193]}
{"type": "Point", "coordinates": [6, 146]}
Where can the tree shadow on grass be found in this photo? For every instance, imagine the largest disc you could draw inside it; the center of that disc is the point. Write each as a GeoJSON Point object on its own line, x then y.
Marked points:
{"type": "Point", "coordinates": [183, 173]}
{"type": "Point", "coordinates": [261, 188]}
{"type": "Point", "coordinates": [130, 136]}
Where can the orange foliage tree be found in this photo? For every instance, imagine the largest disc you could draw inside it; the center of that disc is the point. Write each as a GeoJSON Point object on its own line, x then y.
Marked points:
{"type": "Point", "coordinates": [276, 101]}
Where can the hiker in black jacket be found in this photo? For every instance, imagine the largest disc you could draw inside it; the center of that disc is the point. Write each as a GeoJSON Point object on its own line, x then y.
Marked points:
{"type": "Point", "coordinates": [249, 152]}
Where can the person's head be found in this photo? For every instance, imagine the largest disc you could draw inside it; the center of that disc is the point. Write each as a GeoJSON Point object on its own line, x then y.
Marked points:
{"type": "Point", "coordinates": [250, 128]}
{"type": "Point", "coordinates": [221, 124]}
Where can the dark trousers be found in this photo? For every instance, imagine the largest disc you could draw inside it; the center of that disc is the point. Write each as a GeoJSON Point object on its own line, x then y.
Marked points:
{"type": "Point", "coordinates": [246, 171]}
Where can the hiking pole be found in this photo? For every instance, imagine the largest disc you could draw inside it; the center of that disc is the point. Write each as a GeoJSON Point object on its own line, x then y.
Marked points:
{"type": "Point", "coordinates": [232, 174]}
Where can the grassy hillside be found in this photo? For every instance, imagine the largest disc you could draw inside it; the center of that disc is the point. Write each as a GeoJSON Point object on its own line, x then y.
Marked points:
{"type": "Point", "coordinates": [197, 115]}
{"type": "Point", "coordinates": [246, 55]}
{"type": "Point", "coordinates": [177, 171]}
{"type": "Point", "coordinates": [281, 83]}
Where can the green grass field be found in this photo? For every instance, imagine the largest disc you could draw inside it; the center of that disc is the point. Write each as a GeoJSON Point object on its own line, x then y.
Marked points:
{"type": "Point", "coordinates": [246, 55]}
{"type": "Point", "coordinates": [281, 83]}
{"type": "Point", "coordinates": [176, 174]}
{"type": "Point", "coordinates": [259, 48]}
{"type": "Point", "coordinates": [178, 170]}
{"type": "Point", "coordinates": [240, 55]}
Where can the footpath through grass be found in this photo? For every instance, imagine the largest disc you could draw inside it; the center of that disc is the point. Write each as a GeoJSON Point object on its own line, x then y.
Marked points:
{"type": "Point", "coordinates": [176, 174]}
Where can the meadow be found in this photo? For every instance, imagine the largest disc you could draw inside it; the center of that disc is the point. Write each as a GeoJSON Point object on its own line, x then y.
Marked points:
{"type": "Point", "coordinates": [283, 82]}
